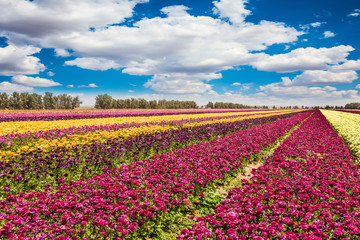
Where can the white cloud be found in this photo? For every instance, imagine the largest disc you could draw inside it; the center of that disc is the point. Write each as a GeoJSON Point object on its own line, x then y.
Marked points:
{"type": "Point", "coordinates": [317, 24]}
{"type": "Point", "coordinates": [59, 52]}
{"type": "Point", "coordinates": [354, 13]}
{"type": "Point", "coordinates": [357, 86]}
{"type": "Point", "coordinates": [18, 60]}
{"type": "Point", "coordinates": [50, 74]}
{"type": "Point", "coordinates": [13, 87]}
{"type": "Point", "coordinates": [243, 87]}
{"type": "Point", "coordinates": [233, 10]}
{"type": "Point", "coordinates": [33, 82]}
{"type": "Point", "coordinates": [70, 86]}
{"type": "Point", "coordinates": [131, 91]}
{"type": "Point", "coordinates": [181, 83]}
{"type": "Point", "coordinates": [329, 34]}
{"type": "Point", "coordinates": [282, 89]}
{"type": "Point", "coordinates": [348, 65]}
{"type": "Point", "coordinates": [307, 27]}
{"type": "Point", "coordinates": [48, 17]}
{"type": "Point", "coordinates": [93, 63]}
{"type": "Point", "coordinates": [91, 85]}
{"type": "Point", "coordinates": [319, 77]}
{"type": "Point", "coordinates": [302, 59]}
{"type": "Point", "coordinates": [176, 44]}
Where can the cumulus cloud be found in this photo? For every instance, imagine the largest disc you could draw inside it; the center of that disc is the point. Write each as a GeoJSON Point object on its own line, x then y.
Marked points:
{"type": "Point", "coordinates": [284, 89]}
{"type": "Point", "coordinates": [13, 87]}
{"type": "Point", "coordinates": [233, 10]}
{"type": "Point", "coordinates": [33, 82]}
{"type": "Point", "coordinates": [236, 84]}
{"type": "Point", "coordinates": [48, 17]}
{"type": "Point", "coordinates": [318, 77]}
{"type": "Point", "coordinates": [181, 83]}
{"type": "Point", "coordinates": [70, 86]}
{"type": "Point", "coordinates": [59, 52]}
{"type": "Point", "coordinates": [329, 34]}
{"type": "Point", "coordinates": [347, 65]}
{"type": "Point", "coordinates": [93, 63]}
{"type": "Point", "coordinates": [18, 60]}
{"type": "Point", "coordinates": [357, 86]}
{"type": "Point", "coordinates": [302, 59]}
{"type": "Point", "coordinates": [176, 44]}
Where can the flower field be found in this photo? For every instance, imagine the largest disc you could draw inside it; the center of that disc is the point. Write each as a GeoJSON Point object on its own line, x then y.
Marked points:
{"type": "Point", "coordinates": [156, 176]}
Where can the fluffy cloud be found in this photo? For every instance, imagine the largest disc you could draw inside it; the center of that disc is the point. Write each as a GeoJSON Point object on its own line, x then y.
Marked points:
{"type": "Point", "coordinates": [233, 10]}
{"type": "Point", "coordinates": [59, 52]}
{"type": "Point", "coordinates": [284, 89]}
{"type": "Point", "coordinates": [357, 86]}
{"type": "Point", "coordinates": [318, 77]}
{"type": "Point", "coordinates": [33, 82]}
{"type": "Point", "coordinates": [93, 63]}
{"type": "Point", "coordinates": [12, 87]}
{"type": "Point", "coordinates": [48, 17]}
{"type": "Point", "coordinates": [18, 60]}
{"type": "Point", "coordinates": [347, 66]}
{"type": "Point", "coordinates": [176, 44]}
{"type": "Point", "coordinates": [329, 34]}
{"type": "Point", "coordinates": [181, 83]}
{"type": "Point", "coordinates": [302, 59]}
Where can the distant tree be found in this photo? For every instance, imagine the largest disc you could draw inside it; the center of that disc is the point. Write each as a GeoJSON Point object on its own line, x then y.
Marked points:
{"type": "Point", "coordinates": [210, 105]}
{"type": "Point", "coordinates": [50, 101]}
{"type": "Point", "coordinates": [4, 101]}
{"type": "Point", "coordinates": [103, 101]}
{"type": "Point", "coordinates": [352, 106]}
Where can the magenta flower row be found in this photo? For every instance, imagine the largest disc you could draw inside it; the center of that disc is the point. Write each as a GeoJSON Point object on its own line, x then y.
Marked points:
{"type": "Point", "coordinates": [308, 189]}
{"type": "Point", "coordinates": [122, 202]}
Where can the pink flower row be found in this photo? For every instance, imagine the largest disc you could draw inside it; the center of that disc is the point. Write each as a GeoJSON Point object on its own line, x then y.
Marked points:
{"type": "Point", "coordinates": [308, 189]}
{"type": "Point", "coordinates": [122, 202]}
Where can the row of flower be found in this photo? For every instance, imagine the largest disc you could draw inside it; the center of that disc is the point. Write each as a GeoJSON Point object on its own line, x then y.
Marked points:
{"type": "Point", "coordinates": [348, 127]}
{"type": "Point", "coordinates": [34, 170]}
{"type": "Point", "coordinates": [350, 111]}
{"type": "Point", "coordinates": [131, 201]}
{"type": "Point", "coordinates": [307, 189]}
{"type": "Point", "coordinates": [33, 126]}
{"type": "Point", "coordinates": [14, 144]}
{"type": "Point", "coordinates": [53, 116]}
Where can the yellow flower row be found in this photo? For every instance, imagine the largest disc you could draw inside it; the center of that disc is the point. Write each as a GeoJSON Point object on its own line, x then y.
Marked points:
{"type": "Point", "coordinates": [348, 127]}
{"type": "Point", "coordinates": [102, 136]}
{"type": "Point", "coordinates": [32, 126]}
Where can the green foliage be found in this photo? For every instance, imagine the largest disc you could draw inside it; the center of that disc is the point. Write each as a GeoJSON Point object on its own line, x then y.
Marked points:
{"type": "Point", "coordinates": [26, 100]}
{"type": "Point", "coordinates": [105, 101]}
{"type": "Point", "coordinates": [352, 106]}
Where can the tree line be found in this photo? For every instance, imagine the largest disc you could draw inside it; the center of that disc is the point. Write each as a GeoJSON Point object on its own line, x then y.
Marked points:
{"type": "Point", "coordinates": [105, 101]}
{"type": "Point", "coordinates": [26, 100]}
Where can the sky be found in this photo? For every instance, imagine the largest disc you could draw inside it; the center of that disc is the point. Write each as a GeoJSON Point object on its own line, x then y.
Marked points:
{"type": "Point", "coordinates": [254, 52]}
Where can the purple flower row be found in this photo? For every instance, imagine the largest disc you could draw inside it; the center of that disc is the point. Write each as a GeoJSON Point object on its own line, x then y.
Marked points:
{"type": "Point", "coordinates": [308, 189]}
{"type": "Point", "coordinates": [33, 170]}
{"type": "Point", "coordinates": [67, 116]}
{"type": "Point", "coordinates": [129, 201]}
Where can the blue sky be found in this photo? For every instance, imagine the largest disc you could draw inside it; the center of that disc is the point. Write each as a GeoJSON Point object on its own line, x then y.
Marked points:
{"type": "Point", "coordinates": [252, 52]}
